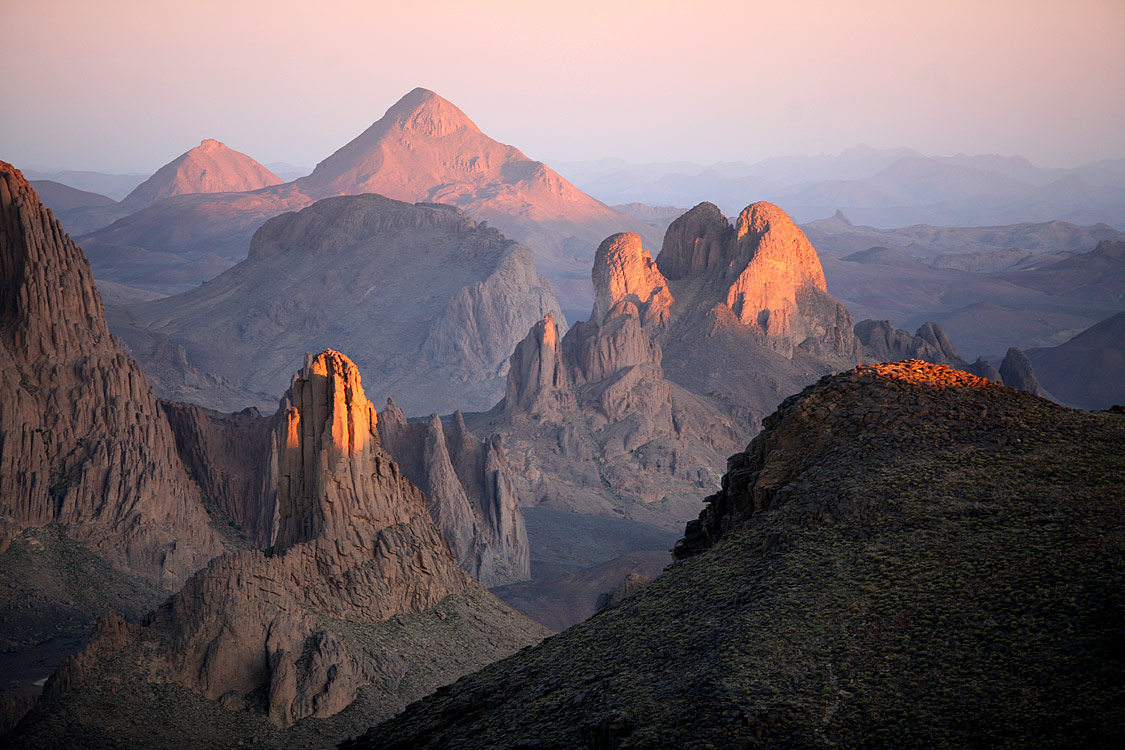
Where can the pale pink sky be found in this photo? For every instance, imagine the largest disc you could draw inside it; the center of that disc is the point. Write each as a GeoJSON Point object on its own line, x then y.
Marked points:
{"type": "Point", "coordinates": [127, 85]}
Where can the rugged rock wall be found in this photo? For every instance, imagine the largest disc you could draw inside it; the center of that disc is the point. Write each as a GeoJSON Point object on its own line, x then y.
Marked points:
{"type": "Point", "coordinates": [469, 492]}
{"type": "Point", "coordinates": [231, 457]}
{"type": "Point", "coordinates": [353, 541]}
{"type": "Point", "coordinates": [83, 441]}
{"type": "Point", "coordinates": [764, 271]}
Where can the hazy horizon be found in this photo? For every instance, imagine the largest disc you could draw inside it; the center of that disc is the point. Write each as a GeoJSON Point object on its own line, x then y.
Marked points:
{"type": "Point", "coordinates": [126, 86]}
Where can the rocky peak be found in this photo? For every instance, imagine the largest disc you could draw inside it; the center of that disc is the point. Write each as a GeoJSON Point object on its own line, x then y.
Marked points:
{"type": "Point", "coordinates": [424, 112]}
{"type": "Point", "coordinates": [762, 273]}
{"type": "Point", "coordinates": [328, 457]}
{"type": "Point", "coordinates": [1017, 372]}
{"type": "Point", "coordinates": [695, 242]}
{"type": "Point", "coordinates": [624, 271]}
{"type": "Point", "coordinates": [882, 342]}
{"type": "Point", "coordinates": [210, 167]}
{"type": "Point", "coordinates": [82, 439]}
{"type": "Point", "coordinates": [538, 385]}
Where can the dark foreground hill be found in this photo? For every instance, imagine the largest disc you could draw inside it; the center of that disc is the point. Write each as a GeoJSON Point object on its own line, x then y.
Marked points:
{"type": "Point", "coordinates": [907, 555]}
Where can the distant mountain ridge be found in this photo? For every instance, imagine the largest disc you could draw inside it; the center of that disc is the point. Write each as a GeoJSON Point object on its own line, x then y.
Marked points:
{"type": "Point", "coordinates": [883, 187]}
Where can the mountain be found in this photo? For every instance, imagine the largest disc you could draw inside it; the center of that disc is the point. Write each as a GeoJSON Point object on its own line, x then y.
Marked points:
{"type": "Point", "coordinates": [429, 302]}
{"type": "Point", "coordinates": [357, 606]}
{"type": "Point", "coordinates": [632, 412]}
{"type": "Point", "coordinates": [864, 578]}
{"type": "Point", "coordinates": [96, 510]}
{"type": "Point", "coordinates": [424, 149]}
{"type": "Point", "coordinates": [114, 186]}
{"type": "Point", "coordinates": [59, 197]}
{"type": "Point", "coordinates": [210, 167]}
{"type": "Point", "coordinates": [1086, 370]}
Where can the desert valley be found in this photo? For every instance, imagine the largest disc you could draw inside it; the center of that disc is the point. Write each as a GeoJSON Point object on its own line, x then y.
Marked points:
{"type": "Point", "coordinates": [436, 445]}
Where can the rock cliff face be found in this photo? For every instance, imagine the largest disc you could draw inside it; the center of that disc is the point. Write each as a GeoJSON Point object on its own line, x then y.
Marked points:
{"type": "Point", "coordinates": [678, 359]}
{"type": "Point", "coordinates": [429, 303]}
{"type": "Point", "coordinates": [231, 458]}
{"type": "Point", "coordinates": [469, 492]}
{"type": "Point", "coordinates": [353, 544]}
{"type": "Point", "coordinates": [82, 439]}
{"type": "Point", "coordinates": [764, 272]}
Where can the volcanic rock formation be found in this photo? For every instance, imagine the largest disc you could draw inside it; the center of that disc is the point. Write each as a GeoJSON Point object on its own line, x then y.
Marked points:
{"type": "Point", "coordinates": [280, 629]}
{"type": "Point", "coordinates": [1017, 372]}
{"type": "Point", "coordinates": [428, 302]}
{"type": "Point", "coordinates": [82, 439]}
{"type": "Point", "coordinates": [469, 492]}
{"type": "Point", "coordinates": [849, 527]}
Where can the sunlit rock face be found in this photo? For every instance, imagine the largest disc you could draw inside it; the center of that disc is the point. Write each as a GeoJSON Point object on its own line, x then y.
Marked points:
{"type": "Point", "coordinates": [761, 272]}
{"type": "Point", "coordinates": [625, 271]}
{"type": "Point", "coordinates": [470, 492]}
{"type": "Point", "coordinates": [82, 439]}
{"type": "Point", "coordinates": [353, 541]}
{"type": "Point", "coordinates": [210, 167]}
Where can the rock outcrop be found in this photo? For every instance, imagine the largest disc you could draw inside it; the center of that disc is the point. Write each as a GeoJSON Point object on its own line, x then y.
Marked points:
{"type": "Point", "coordinates": [762, 271]}
{"type": "Point", "coordinates": [353, 544]}
{"type": "Point", "coordinates": [882, 342]}
{"type": "Point", "coordinates": [632, 583]}
{"type": "Point", "coordinates": [1017, 372]}
{"type": "Point", "coordinates": [428, 302]}
{"type": "Point", "coordinates": [625, 271]}
{"type": "Point", "coordinates": [469, 492]}
{"type": "Point", "coordinates": [82, 439]}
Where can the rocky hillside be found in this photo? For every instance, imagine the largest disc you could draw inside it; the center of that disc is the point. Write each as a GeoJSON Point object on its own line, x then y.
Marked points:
{"type": "Point", "coordinates": [634, 411]}
{"type": "Point", "coordinates": [339, 609]}
{"type": "Point", "coordinates": [428, 302]}
{"type": "Point", "coordinates": [871, 575]}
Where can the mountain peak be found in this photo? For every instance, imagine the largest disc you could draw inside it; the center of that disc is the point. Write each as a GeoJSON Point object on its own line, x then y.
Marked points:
{"type": "Point", "coordinates": [423, 111]}
{"type": "Point", "coordinates": [210, 167]}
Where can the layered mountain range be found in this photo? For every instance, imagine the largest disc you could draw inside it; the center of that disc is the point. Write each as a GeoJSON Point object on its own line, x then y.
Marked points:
{"type": "Point", "coordinates": [863, 578]}
{"type": "Point", "coordinates": [356, 273]}
{"type": "Point", "coordinates": [424, 149]}
{"type": "Point", "coordinates": [891, 187]}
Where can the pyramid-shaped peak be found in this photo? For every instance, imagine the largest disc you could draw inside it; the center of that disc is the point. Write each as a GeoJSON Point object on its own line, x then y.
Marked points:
{"type": "Point", "coordinates": [423, 111]}
{"type": "Point", "coordinates": [210, 167]}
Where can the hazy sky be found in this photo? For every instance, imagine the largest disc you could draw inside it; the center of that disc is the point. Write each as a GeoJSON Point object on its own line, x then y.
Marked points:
{"type": "Point", "coordinates": [127, 85]}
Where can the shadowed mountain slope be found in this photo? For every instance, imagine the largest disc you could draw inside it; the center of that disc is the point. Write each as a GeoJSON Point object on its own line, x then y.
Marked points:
{"type": "Point", "coordinates": [866, 578]}
{"type": "Point", "coordinates": [429, 303]}
{"type": "Point", "coordinates": [1089, 370]}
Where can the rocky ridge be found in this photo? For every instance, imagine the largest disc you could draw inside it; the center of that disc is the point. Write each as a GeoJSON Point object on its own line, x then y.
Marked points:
{"type": "Point", "coordinates": [894, 504]}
